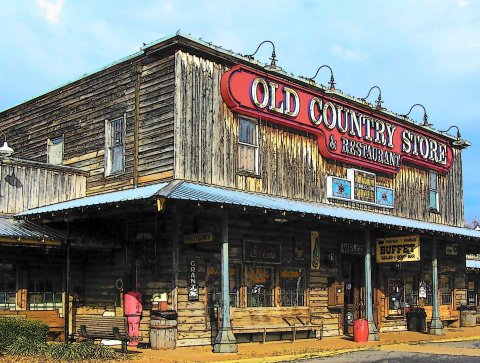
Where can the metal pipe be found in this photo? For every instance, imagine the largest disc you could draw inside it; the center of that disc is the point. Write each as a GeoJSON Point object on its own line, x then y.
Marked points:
{"type": "Point", "coordinates": [436, 326]}
{"type": "Point", "coordinates": [372, 329]}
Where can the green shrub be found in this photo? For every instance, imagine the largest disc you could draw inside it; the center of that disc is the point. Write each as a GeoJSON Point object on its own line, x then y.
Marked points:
{"type": "Point", "coordinates": [80, 351]}
{"type": "Point", "coordinates": [12, 329]}
{"type": "Point", "coordinates": [22, 346]}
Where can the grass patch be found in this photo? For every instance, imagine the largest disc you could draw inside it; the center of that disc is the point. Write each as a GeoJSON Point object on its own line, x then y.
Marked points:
{"type": "Point", "coordinates": [21, 338]}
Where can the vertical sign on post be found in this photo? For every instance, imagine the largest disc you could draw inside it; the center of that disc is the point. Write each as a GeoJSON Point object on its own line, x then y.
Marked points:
{"type": "Point", "coordinates": [314, 250]}
{"type": "Point", "coordinates": [193, 285]}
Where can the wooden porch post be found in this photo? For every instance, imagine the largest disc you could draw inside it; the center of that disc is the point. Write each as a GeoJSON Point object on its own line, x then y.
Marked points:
{"type": "Point", "coordinates": [66, 312]}
{"type": "Point", "coordinates": [225, 341]}
{"type": "Point", "coordinates": [372, 329]}
{"type": "Point", "coordinates": [436, 326]}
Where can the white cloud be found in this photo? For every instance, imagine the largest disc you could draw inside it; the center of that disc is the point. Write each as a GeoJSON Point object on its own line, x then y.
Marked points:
{"type": "Point", "coordinates": [50, 9]}
{"type": "Point", "coordinates": [351, 55]}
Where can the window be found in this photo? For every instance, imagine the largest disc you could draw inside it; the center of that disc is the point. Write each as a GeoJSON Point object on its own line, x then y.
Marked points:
{"type": "Point", "coordinates": [433, 191]}
{"type": "Point", "coordinates": [115, 146]}
{"type": "Point", "coordinates": [446, 286]}
{"type": "Point", "coordinates": [259, 282]}
{"type": "Point", "coordinates": [44, 288]}
{"type": "Point", "coordinates": [214, 285]}
{"type": "Point", "coordinates": [248, 146]}
{"type": "Point", "coordinates": [292, 283]}
{"type": "Point", "coordinates": [7, 286]}
{"type": "Point", "coordinates": [55, 150]}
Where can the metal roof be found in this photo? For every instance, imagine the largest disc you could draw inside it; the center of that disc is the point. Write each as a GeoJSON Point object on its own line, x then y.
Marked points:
{"type": "Point", "coordinates": [182, 190]}
{"type": "Point", "coordinates": [204, 193]}
{"type": "Point", "coordinates": [26, 230]}
{"type": "Point", "coordinates": [107, 198]}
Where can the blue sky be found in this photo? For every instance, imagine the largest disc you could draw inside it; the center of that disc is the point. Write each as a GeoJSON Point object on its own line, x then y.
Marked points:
{"type": "Point", "coordinates": [424, 52]}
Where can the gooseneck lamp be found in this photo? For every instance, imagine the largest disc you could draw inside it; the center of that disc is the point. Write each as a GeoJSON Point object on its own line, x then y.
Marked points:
{"type": "Point", "coordinates": [332, 80]}
{"type": "Point", "coordinates": [378, 102]}
{"type": "Point", "coordinates": [425, 116]}
{"type": "Point", "coordinates": [273, 58]}
{"type": "Point", "coordinates": [5, 150]}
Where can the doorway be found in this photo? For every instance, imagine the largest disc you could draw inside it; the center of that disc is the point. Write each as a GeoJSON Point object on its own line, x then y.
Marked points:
{"type": "Point", "coordinates": [352, 273]}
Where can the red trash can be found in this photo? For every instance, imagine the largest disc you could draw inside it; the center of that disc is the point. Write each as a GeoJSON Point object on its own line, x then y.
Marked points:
{"type": "Point", "coordinates": [360, 330]}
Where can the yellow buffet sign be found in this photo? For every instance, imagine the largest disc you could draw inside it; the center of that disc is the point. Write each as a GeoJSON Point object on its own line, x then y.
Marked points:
{"type": "Point", "coordinates": [398, 249]}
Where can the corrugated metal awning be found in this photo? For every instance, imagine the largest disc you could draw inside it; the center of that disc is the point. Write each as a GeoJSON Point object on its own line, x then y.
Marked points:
{"type": "Point", "coordinates": [100, 199]}
{"type": "Point", "coordinates": [204, 193]}
{"type": "Point", "coordinates": [182, 190]}
{"type": "Point", "coordinates": [25, 232]}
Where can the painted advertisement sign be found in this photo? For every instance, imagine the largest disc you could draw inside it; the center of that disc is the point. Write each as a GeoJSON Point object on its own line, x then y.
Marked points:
{"type": "Point", "coordinates": [398, 249]}
{"type": "Point", "coordinates": [360, 186]}
{"type": "Point", "coordinates": [346, 132]}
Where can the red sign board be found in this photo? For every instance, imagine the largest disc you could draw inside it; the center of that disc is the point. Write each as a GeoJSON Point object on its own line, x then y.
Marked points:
{"type": "Point", "coordinates": [345, 132]}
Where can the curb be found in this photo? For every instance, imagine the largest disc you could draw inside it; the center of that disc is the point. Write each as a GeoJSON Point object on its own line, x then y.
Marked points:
{"type": "Point", "coordinates": [291, 357]}
{"type": "Point", "coordinates": [331, 353]}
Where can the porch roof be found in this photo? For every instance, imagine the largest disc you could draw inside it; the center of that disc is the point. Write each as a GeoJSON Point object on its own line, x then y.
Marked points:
{"type": "Point", "coordinates": [182, 190]}
{"type": "Point", "coordinates": [25, 232]}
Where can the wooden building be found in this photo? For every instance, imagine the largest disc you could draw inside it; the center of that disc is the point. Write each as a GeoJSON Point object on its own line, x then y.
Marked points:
{"type": "Point", "coordinates": [194, 158]}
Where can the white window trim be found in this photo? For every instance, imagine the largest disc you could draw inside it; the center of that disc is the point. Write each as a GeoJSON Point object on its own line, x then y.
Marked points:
{"type": "Point", "coordinates": [430, 190]}
{"type": "Point", "coordinates": [49, 143]}
{"type": "Point", "coordinates": [256, 147]}
{"type": "Point", "coordinates": [107, 163]}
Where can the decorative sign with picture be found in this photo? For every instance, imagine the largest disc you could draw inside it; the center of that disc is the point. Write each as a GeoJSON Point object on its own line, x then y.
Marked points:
{"type": "Point", "coordinates": [361, 187]}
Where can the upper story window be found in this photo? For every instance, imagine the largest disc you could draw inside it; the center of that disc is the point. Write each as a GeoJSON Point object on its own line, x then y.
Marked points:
{"type": "Point", "coordinates": [115, 146]}
{"type": "Point", "coordinates": [433, 191]}
{"type": "Point", "coordinates": [248, 146]}
{"type": "Point", "coordinates": [55, 150]}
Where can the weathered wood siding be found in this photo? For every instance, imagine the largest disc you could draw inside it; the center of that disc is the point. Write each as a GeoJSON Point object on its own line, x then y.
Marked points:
{"type": "Point", "coordinates": [28, 185]}
{"type": "Point", "coordinates": [197, 319]}
{"type": "Point", "coordinates": [78, 112]}
{"type": "Point", "coordinates": [206, 134]}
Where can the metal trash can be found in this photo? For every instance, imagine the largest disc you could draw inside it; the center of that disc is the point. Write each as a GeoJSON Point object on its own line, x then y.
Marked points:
{"type": "Point", "coordinates": [468, 318]}
{"type": "Point", "coordinates": [163, 330]}
{"type": "Point", "coordinates": [417, 320]}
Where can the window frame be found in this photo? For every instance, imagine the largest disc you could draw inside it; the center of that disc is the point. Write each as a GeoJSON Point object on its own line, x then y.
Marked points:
{"type": "Point", "coordinates": [242, 170]}
{"type": "Point", "coordinates": [110, 145]}
{"type": "Point", "coordinates": [433, 190]}
{"type": "Point", "coordinates": [50, 143]}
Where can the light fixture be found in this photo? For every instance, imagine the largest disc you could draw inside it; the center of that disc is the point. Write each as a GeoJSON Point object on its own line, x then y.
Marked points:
{"type": "Point", "coordinates": [331, 257]}
{"type": "Point", "coordinates": [476, 225]}
{"type": "Point", "coordinates": [378, 102]}
{"type": "Point", "coordinates": [425, 116]}
{"type": "Point", "coordinates": [459, 143]}
{"type": "Point", "coordinates": [273, 64]}
{"type": "Point", "coordinates": [5, 150]}
{"type": "Point", "coordinates": [332, 80]}
{"type": "Point", "coordinates": [280, 220]}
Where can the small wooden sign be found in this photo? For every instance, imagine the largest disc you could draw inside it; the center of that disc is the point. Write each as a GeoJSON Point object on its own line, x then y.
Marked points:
{"type": "Point", "coordinates": [314, 250]}
{"type": "Point", "coordinates": [451, 249]}
{"type": "Point", "coordinates": [194, 238]}
{"type": "Point", "coordinates": [265, 252]}
{"type": "Point", "coordinates": [352, 249]}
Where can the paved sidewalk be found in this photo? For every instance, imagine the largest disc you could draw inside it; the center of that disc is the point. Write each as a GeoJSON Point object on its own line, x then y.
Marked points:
{"type": "Point", "coordinates": [306, 348]}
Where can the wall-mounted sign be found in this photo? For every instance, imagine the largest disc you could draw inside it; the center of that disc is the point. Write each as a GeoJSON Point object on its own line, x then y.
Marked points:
{"type": "Point", "coordinates": [360, 186]}
{"type": "Point", "coordinates": [264, 252]}
{"type": "Point", "coordinates": [314, 250]}
{"type": "Point", "coordinates": [346, 131]}
{"type": "Point", "coordinates": [194, 238]}
{"type": "Point", "coordinates": [363, 185]}
{"type": "Point", "coordinates": [299, 250]}
{"type": "Point", "coordinates": [352, 249]}
{"type": "Point", "coordinates": [398, 249]}
{"type": "Point", "coordinates": [192, 285]}
{"type": "Point", "coordinates": [451, 249]}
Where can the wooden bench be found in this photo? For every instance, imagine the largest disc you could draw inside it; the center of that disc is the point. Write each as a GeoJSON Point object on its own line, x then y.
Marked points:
{"type": "Point", "coordinates": [103, 327]}
{"type": "Point", "coordinates": [271, 320]}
